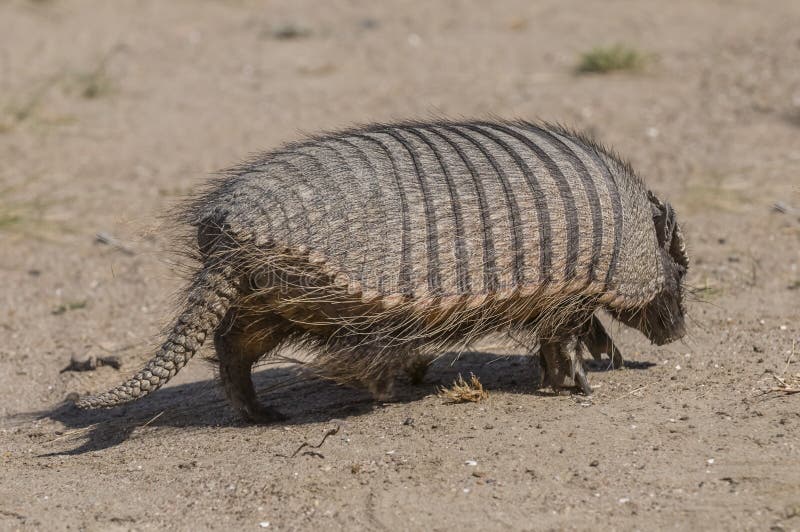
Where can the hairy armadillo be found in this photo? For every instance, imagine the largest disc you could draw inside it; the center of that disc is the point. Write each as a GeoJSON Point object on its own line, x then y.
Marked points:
{"type": "Point", "coordinates": [374, 246]}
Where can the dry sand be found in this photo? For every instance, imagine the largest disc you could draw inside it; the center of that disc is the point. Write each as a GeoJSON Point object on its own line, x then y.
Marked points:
{"type": "Point", "coordinates": [110, 112]}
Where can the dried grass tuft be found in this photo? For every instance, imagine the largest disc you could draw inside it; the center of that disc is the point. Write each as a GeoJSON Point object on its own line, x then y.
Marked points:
{"type": "Point", "coordinates": [463, 391]}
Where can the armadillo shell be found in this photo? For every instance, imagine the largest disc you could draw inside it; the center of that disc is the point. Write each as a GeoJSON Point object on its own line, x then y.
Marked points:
{"type": "Point", "coordinates": [437, 212]}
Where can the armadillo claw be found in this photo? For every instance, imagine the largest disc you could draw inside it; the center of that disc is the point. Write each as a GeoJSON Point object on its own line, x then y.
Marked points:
{"type": "Point", "coordinates": [260, 414]}
{"type": "Point", "coordinates": [581, 380]}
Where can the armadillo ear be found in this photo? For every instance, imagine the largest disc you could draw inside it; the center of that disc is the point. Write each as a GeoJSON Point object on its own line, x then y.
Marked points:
{"type": "Point", "coordinates": [668, 232]}
{"type": "Point", "coordinates": [663, 219]}
{"type": "Point", "coordinates": [677, 247]}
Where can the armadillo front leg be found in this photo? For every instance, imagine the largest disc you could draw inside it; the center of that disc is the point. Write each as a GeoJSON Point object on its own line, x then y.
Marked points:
{"type": "Point", "coordinates": [415, 367]}
{"type": "Point", "coordinates": [598, 342]}
{"type": "Point", "coordinates": [239, 344]}
{"type": "Point", "coordinates": [562, 365]}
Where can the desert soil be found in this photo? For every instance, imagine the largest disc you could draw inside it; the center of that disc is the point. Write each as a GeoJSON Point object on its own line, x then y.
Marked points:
{"type": "Point", "coordinates": [110, 112]}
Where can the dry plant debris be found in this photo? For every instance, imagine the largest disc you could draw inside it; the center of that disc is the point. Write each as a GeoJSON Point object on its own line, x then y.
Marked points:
{"type": "Point", "coordinates": [329, 432]}
{"type": "Point", "coordinates": [462, 391]}
{"type": "Point", "coordinates": [787, 384]}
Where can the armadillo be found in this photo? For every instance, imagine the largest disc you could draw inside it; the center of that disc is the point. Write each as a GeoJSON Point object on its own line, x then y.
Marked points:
{"type": "Point", "coordinates": [375, 246]}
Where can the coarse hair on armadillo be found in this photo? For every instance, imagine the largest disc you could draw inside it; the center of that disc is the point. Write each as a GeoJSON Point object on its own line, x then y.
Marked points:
{"type": "Point", "coordinates": [376, 241]}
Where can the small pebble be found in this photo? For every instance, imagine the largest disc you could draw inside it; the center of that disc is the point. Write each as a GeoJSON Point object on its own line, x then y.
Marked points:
{"type": "Point", "coordinates": [368, 23]}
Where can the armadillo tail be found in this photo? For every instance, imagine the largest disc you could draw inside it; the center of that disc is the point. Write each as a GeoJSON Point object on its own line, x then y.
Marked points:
{"type": "Point", "coordinates": [210, 297]}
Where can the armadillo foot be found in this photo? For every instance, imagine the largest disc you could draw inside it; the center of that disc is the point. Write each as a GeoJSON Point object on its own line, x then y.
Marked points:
{"type": "Point", "coordinates": [417, 368]}
{"type": "Point", "coordinates": [255, 412]}
{"type": "Point", "coordinates": [598, 341]}
{"type": "Point", "coordinates": [382, 388]}
{"type": "Point", "coordinates": [562, 366]}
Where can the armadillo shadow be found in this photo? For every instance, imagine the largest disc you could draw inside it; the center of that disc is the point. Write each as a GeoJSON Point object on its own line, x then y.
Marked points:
{"type": "Point", "coordinates": [304, 399]}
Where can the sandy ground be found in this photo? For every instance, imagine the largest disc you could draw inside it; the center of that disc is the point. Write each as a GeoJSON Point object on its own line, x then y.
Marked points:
{"type": "Point", "coordinates": [112, 111]}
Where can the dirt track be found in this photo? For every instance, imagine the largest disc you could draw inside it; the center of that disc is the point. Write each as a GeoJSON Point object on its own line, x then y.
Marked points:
{"type": "Point", "coordinates": [112, 111]}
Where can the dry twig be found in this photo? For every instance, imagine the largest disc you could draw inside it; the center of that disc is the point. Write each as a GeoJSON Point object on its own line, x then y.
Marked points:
{"type": "Point", "coordinates": [330, 432]}
{"type": "Point", "coordinates": [790, 384]}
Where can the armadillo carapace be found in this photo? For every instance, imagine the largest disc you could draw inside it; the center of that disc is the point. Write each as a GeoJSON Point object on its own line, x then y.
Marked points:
{"type": "Point", "coordinates": [375, 246]}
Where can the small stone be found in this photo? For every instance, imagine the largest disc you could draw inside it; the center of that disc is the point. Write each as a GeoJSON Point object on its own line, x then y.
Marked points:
{"type": "Point", "coordinates": [368, 23]}
{"type": "Point", "coordinates": [289, 31]}
{"type": "Point", "coordinates": [594, 463]}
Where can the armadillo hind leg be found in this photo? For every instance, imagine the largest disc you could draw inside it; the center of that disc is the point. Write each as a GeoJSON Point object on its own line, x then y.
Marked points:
{"type": "Point", "coordinates": [562, 365]}
{"type": "Point", "coordinates": [240, 343]}
{"type": "Point", "coordinates": [598, 341]}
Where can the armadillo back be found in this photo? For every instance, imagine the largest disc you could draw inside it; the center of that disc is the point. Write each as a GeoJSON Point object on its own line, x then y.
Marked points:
{"type": "Point", "coordinates": [430, 211]}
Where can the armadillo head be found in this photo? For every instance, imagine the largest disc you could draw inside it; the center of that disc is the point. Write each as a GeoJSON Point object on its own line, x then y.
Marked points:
{"type": "Point", "coordinates": [662, 319]}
